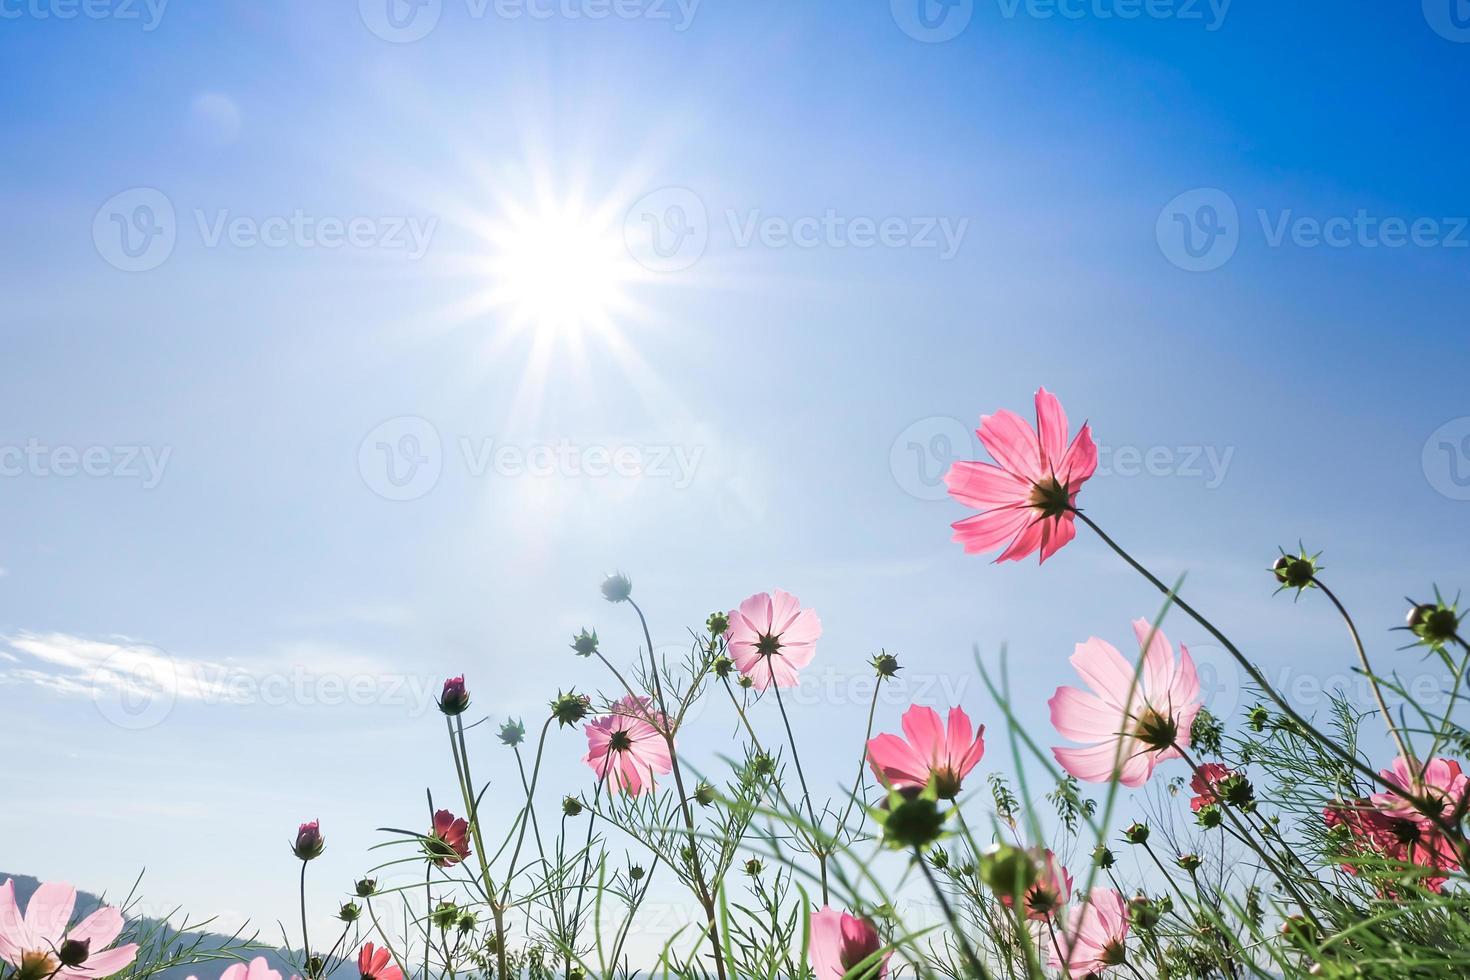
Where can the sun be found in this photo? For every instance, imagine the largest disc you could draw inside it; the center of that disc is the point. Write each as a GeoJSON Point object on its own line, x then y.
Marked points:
{"type": "Point", "coordinates": [558, 269]}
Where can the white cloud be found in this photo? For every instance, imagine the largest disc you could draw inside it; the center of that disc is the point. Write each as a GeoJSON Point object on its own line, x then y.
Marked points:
{"type": "Point", "coordinates": [137, 684]}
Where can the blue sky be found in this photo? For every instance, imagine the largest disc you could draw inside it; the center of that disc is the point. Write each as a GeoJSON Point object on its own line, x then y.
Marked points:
{"type": "Point", "coordinates": [782, 409]}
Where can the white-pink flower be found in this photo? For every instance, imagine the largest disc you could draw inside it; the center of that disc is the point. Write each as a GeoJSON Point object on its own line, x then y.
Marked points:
{"type": "Point", "coordinates": [1095, 938]}
{"type": "Point", "coordinates": [40, 944]}
{"type": "Point", "coordinates": [624, 747]}
{"type": "Point", "coordinates": [1130, 726]}
{"type": "Point", "coordinates": [1026, 501]}
{"type": "Point", "coordinates": [771, 637]}
{"type": "Point", "coordinates": [256, 969]}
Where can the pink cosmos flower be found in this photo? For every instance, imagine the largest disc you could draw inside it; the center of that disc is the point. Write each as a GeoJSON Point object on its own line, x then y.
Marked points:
{"type": "Point", "coordinates": [771, 637]}
{"type": "Point", "coordinates": [1131, 726]}
{"type": "Point", "coordinates": [1027, 500]}
{"type": "Point", "coordinates": [625, 748]}
{"type": "Point", "coordinates": [39, 944]}
{"type": "Point", "coordinates": [1051, 892]}
{"type": "Point", "coordinates": [258, 969]}
{"type": "Point", "coordinates": [1096, 936]}
{"type": "Point", "coordinates": [377, 964]}
{"type": "Point", "coordinates": [944, 754]}
{"type": "Point", "coordinates": [839, 942]}
{"type": "Point", "coordinates": [449, 839]}
{"type": "Point", "coordinates": [1206, 784]}
{"type": "Point", "coordinates": [1388, 825]}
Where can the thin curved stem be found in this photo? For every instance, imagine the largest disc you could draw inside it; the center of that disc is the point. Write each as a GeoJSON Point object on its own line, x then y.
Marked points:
{"type": "Point", "coordinates": [1393, 731]}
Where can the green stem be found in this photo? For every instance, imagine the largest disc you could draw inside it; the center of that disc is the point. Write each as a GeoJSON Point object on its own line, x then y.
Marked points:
{"type": "Point", "coordinates": [305, 938]}
{"type": "Point", "coordinates": [805, 793]}
{"type": "Point", "coordinates": [1393, 731]}
{"type": "Point", "coordinates": [976, 967]}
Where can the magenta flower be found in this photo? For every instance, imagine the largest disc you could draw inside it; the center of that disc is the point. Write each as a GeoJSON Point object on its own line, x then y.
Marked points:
{"type": "Point", "coordinates": [258, 969]}
{"type": "Point", "coordinates": [377, 964]}
{"type": "Point", "coordinates": [771, 637]}
{"type": "Point", "coordinates": [39, 944]}
{"type": "Point", "coordinates": [625, 748]}
{"type": "Point", "coordinates": [839, 942]}
{"type": "Point", "coordinates": [1206, 785]}
{"type": "Point", "coordinates": [449, 840]}
{"type": "Point", "coordinates": [1095, 938]}
{"type": "Point", "coordinates": [943, 754]}
{"type": "Point", "coordinates": [309, 840]}
{"type": "Point", "coordinates": [454, 699]}
{"type": "Point", "coordinates": [1131, 726]}
{"type": "Point", "coordinates": [1027, 500]}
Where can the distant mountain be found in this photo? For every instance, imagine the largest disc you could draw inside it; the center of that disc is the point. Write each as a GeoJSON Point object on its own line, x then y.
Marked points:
{"type": "Point", "coordinates": [87, 902]}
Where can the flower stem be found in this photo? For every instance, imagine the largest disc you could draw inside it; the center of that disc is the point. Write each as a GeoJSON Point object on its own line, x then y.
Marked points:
{"type": "Point", "coordinates": [1393, 731]}
{"type": "Point", "coordinates": [976, 967]}
{"type": "Point", "coordinates": [305, 939]}
{"type": "Point", "coordinates": [805, 793]}
{"type": "Point", "coordinates": [706, 899]}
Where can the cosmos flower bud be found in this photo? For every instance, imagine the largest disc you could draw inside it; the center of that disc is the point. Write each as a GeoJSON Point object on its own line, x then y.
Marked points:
{"type": "Point", "coordinates": [636, 872]}
{"type": "Point", "coordinates": [722, 666]}
{"type": "Point", "coordinates": [349, 912]}
{"type": "Point", "coordinates": [763, 765]}
{"type": "Point", "coordinates": [1209, 816]}
{"type": "Point", "coordinates": [939, 858]}
{"type": "Point", "coordinates": [886, 664]}
{"type": "Point", "coordinates": [585, 643]}
{"type": "Point", "coordinates": [717, 623]}
{"type": "Point", "coordinates": [617, 587]}
{"type": "Point", "coordinates": [571, 806]}
{"type": "Point", "coordinates": [1136, 833]}
{"type": "Point", "coordinates": [1296, 571]}
{"type": "Point", "coordinates": [753, 867]}
{"type": "Point", "coordinates": [911, 820]}
{"type": "Point", "coordinates": [314, 966]}
{"type": "Point", "coordinates": [454, 699]}
{"type": "Point", "coordinates": [74, 952]}
{"type": "Point", "coordinates": [704, 794]}
{"type": "Point", "coordinates": [1435, 624]}
{"type": "Point", "coordinates": [1143, 913]}
{"type": "Point", "coordinates": [309, 841]}
{"type": "Point", "coordinates": [445, 915]}
{"type": "Point", "coordinates": [1236, 790]}
{"type": "Point", "coordinates": [366, 887]}
{"type": "Point", "coordinates": [1300, 932]}
{"type": "Point", "coordinates": [1008, 871]}
{"type": "Point", "coordinates": [466, 921]}
{"type": "Point", "coordinates": [1258, 717]}
{"type": "Point", "coordinates": [1103, 857]}
{"type": "Point", "coordinates": [746, 681]}
{"type": "Point", "coordinates": [512, 733]}
{"type": "Point", "coordinates": [1189, 862]}
{"type": "Point", "coordinates": [570, 708]}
